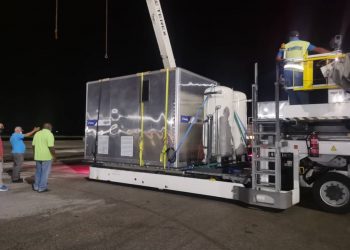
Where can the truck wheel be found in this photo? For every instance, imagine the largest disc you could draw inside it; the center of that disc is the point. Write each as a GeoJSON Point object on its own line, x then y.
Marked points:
{"type": "Point", "coordinates": [332, 193]}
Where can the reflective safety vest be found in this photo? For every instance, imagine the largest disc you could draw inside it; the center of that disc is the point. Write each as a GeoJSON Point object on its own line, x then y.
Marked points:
{"type": "Point", "coordinates": [294, 54]}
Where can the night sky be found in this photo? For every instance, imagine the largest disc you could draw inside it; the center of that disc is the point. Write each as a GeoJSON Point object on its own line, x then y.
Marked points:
{"type": "Point", "coordinates": [44, 80]}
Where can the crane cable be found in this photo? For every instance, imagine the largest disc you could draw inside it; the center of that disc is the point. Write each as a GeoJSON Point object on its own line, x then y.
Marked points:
{"type": "Point", "coordinates": [106, 31]}
{"type": "Point", "coordinates": [56, 21]}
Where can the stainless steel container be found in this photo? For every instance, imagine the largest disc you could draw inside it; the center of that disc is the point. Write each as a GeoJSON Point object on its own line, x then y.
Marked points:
{"type": "Point", "coordinates": [113, 108]}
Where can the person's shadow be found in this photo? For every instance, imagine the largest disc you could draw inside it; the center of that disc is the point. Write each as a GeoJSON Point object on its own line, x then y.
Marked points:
{"type": "Point", "coordinates": [306, 199]}
{"type": "Point", "coordinates": [29, 180]}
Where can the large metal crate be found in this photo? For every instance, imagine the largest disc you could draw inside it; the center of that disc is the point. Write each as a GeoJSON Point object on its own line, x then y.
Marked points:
{"type": "Point", "coordinates": [113, 108]}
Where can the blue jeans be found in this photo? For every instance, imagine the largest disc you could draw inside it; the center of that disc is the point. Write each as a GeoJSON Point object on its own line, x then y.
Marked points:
{"type": "Point", "coordinates": [43, 169]}
{"type": "Point", "coordinates": [295, 97]}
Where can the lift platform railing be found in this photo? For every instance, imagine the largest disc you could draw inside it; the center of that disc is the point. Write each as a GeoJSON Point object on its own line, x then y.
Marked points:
{"type": "Point", "coordinates": [308, 65]}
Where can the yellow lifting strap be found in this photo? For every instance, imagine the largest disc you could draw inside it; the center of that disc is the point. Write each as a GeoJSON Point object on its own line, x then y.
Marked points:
{"type": "Point", "coordinates": [141, 141]}
{"type": "Point", "coordinates": [163, 156]}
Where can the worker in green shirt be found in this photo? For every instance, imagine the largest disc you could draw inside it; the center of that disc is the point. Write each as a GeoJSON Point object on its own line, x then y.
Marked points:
{"type": "Point", "coordinates": [44, 154]}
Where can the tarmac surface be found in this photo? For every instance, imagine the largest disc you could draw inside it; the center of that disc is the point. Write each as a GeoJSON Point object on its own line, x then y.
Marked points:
{"type": "Point", "coordinates": [78, 213]}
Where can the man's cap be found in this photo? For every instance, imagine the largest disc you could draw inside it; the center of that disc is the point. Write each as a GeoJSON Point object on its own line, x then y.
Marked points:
{"type": "Point", "coordinates": [293, 33]}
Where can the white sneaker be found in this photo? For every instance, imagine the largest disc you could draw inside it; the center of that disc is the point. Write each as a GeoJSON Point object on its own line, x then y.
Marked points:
{"type": "Point", "coordinates": [3, 188]}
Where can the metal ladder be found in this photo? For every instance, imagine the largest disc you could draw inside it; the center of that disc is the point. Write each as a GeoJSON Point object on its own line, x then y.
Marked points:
{"type": "Point", "coordinates": [266, 157]}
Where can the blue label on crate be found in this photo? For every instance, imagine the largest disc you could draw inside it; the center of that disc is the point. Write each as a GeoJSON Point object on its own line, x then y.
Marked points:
{"type": "Point", "coordinates": [185, 119]}
{"type": "Point", "coordinates": [91, 123]}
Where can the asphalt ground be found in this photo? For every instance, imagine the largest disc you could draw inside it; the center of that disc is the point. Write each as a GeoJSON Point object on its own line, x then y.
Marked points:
{"type": "Point", "coordinates": [78, 213]}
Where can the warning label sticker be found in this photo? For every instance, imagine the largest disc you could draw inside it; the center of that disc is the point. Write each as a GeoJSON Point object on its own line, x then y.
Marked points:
{"type": "Point", "coordinates": [104, 122]}
{"type": "Point", "coordinates": [333, 148]}
{"type": "Point", "coordinates": [127, 146]}
{"type": "Point", "coordinates": [103, 144]}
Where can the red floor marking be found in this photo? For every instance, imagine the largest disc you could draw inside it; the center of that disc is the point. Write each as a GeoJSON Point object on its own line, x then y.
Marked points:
{"type": "Point", "coordinates": [81, 169]}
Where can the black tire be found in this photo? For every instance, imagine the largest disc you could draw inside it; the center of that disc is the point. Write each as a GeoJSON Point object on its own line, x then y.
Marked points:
{"type": "Point", "coordinates": [332, 193]}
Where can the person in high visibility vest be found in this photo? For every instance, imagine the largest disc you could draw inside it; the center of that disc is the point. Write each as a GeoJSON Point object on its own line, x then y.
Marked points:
{"type": "Point", "coordinates": [292, 55]}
